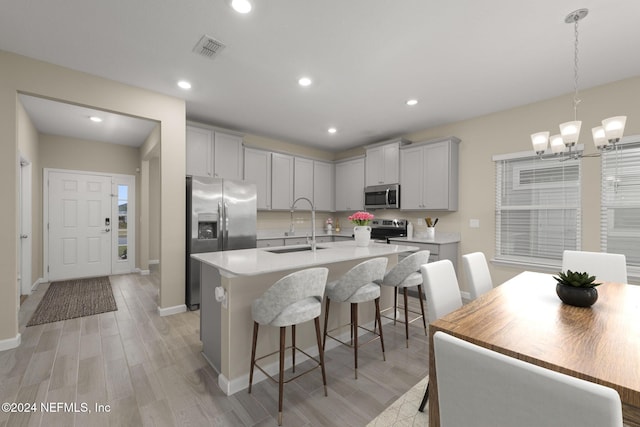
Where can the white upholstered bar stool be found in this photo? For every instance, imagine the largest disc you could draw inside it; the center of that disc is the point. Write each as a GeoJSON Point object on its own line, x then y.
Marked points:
{"type": "Point", "coordinates": [406, 274]}
{"type": "Point", "coordinates": [477, 272]}
{"type": "Point", "coordinates": [483, 388]}
{"type": "Point", "coordinates": [605, 266]}
{"type": "Point", "coordinates": [358, 285]}
{"type": "Point", "coordinates": [292, 300]}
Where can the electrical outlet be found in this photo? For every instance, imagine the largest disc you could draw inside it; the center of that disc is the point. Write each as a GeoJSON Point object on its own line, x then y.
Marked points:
{"type": "Point", "coordinates": [421, 221]}
{"type": "Point", "coordinates": [474, 223]}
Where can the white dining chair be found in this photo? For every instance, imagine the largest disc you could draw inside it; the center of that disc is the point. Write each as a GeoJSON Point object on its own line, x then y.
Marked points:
{"type": "Point", "coordinates": [443, 296]}
{"type": "Point", "coordinates": [477, 272]}
{"type": "Point", "coordinates": [605, 266]}
{"type": "Point", "coordinates": [482, 388]}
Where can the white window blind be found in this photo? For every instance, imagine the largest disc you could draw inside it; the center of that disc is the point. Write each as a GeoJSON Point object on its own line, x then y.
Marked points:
{"type": "Point", "coordinates": [620, 205]}
{"type": "Point", "coordinates": [537, 209]}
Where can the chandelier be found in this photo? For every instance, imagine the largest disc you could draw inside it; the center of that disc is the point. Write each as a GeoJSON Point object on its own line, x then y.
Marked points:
{"type": "Point", "coordinates": [605, 137]}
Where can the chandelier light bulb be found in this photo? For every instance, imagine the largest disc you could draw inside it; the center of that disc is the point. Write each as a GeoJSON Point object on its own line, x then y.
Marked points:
{"type": "Point", "coordinates": [570, 132]}
{"type": "Point", "coordinates": [599, 138]}
{"type": "Point", "coordinates": [539, 141]}
{"type": "Point", "coordinates": [557, 144]}
{"type": "Point", "coordinates": [614, 127]}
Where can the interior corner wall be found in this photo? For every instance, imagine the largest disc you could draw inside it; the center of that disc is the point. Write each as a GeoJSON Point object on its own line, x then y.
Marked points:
{"type": "Point", "coordinates": [25, 75]}
{"type": "Point", "coordinates": [28, 139]}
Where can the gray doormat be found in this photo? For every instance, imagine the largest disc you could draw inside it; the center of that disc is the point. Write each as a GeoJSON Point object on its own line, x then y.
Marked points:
{"type": "Point", "coordinates": [74, 298]}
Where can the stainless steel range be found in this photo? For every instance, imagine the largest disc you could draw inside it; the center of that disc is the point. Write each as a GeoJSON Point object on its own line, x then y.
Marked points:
{"type": "Point", "coordinates": [383, 229]}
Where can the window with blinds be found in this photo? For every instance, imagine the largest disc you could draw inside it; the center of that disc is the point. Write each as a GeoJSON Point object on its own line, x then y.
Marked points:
{"type": "Point", "coordinates": [620, 205]}
{"type": "Point", "coordinates": [537, 209]}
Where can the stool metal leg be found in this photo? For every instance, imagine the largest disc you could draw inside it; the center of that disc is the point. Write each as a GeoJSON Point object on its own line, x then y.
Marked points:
{"type": "Point", "coordinates": [253, 353]}
{"type": "Point", "coordinates": [326, 323]}
{"type": "Point", "coordinates": [406, 314]}
{"type": "Point", "coordinates": [424, 318]}
{"type": "Point", "coordinates": [395, 305]}
{"type": "Point", "coordinates": [377, 302]}
{"type": "Point", "coordinates": [321, 353]}
{"type": "Point", "coordinates": [354, 334]}
{"type": "Point", "coordinates": [283, 337]}
{"type": "Point", "coordinates": [293, 348]}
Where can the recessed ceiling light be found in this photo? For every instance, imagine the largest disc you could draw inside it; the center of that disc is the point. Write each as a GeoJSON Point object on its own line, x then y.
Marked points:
{"type": "Point", "coordinates": [412, 102]}
{"type": "Point", "coordinates": [304, 81]}
{"type": "Point", "coordinates": [184, 84]}
{"type": "Point", "coordinates": [95, 119]}
{"type": "Point", "coordinates": [241, 6]}
{"type": "Point", "coordinates": [332, 130]}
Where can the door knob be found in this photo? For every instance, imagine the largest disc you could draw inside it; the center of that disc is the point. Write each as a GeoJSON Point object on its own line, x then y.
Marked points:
{"type": "Point", "coordinates": [106, 230]}
{"type": "Point", "coordinates": [24, 236]}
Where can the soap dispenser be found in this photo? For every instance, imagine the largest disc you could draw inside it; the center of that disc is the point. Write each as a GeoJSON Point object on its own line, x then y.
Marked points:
{"type": "Point", "coordinates": [410, 230]}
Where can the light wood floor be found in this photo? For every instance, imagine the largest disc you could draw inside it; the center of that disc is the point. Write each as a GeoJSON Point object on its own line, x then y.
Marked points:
{"type": "Point", "coordinates": [149, 370]}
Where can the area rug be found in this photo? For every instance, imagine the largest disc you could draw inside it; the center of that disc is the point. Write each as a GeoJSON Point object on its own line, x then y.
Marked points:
{"type": "Point", "coordinates": [74, 298]}
{"type": "Point", "coordinates": [404, 411]}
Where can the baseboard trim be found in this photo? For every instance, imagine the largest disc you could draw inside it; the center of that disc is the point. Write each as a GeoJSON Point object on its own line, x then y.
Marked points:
{"type": "Point", "coordinates": [37, 283]}
{"type": "Point", "coordinates": [465, 295]}
{"type": "Point", "coordinates": [230, 387]}
{"type": "Point", "coordinates": [144, 272]}
{"type": "Point", "coordinates": [168, 311]}
{"type": "Point", "coordinates": [10, 343]}
{"type": "Point", "coordinates": [154, 261]}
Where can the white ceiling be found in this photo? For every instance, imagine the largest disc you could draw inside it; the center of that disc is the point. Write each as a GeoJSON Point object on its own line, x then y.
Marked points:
{"type": "Point", "coordinates": [459, 58]}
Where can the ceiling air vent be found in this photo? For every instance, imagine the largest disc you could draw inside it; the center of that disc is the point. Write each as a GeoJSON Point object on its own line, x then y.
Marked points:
{"type": "Point", "coordinates": [208, 47]}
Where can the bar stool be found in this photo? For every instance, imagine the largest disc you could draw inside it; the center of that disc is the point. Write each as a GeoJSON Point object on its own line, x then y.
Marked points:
{"type": "Point", "coordinates": [357, 285]}
{"type": "Point", "coordinates": [404, 275]}
{"type": "Point", "coordinates": [292, 300]}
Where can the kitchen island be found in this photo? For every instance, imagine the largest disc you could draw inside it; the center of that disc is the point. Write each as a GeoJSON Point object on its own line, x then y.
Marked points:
{"type": "Point", "coordinates": [226, 328]}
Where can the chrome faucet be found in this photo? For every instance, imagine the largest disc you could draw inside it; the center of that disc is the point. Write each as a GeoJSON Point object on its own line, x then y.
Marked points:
{"type": "Point", "coordinates": [313, 221]}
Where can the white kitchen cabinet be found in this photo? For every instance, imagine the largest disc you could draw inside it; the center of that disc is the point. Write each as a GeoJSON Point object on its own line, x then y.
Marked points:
{"type": "Point", "coordinates": [303, 178]}
{"type": "Point", "coordinates": [350, 185]}
{"type": "Point", "coordinates": [257, 169]}
{"type": "Point", "coordinates": [282, 166]}
{"type": "Point", "coordinates": [383, 164]}
{"type": "Point", "coordinates": [324, 186]}
{"type": "Point", "coordinates": [429, 175]}
{"type": "Point", "coordinates": [213, 153]}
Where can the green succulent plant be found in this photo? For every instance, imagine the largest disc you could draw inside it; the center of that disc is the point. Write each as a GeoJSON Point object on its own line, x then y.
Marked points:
{"type": "Point", "coordinates": [576, 279]}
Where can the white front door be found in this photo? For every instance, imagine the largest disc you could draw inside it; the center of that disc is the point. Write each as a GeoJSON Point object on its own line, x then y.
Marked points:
{"type": "Point", "coordinates": [80, 224]}
{"type": "Point", "coordinates": [24, 277]}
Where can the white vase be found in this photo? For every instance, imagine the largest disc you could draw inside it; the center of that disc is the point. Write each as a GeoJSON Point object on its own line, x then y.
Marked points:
{"type": "Point", "coordinates": [362, 234]}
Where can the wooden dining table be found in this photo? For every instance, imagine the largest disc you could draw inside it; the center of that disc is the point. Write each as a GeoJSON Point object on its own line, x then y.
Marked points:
{"type": "Point", "coordinates": [525, 319]}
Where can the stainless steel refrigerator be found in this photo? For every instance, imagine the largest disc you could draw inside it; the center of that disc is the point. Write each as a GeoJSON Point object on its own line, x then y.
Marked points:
{"type": "Point", "coordinates": [221, 215]}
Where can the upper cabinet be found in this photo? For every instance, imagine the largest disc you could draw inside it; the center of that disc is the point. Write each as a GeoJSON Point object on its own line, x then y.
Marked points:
{"type": "Point", "coordinates": [282, 166]}
{"type": "Point", "coordinates": [257, 169]}
{"type": "Point", "coordinates": [324, 186]}
{"type": "Point", "coordinates": [350, 185]}
{"type": "Point", "coordinates": [213, 153]}
{"type": "Point", "coordinates": [429, 175]}
{"type": "Point", "coordinates": [382, 163]}
{"type": "Point", "coordinates": [303, 178]}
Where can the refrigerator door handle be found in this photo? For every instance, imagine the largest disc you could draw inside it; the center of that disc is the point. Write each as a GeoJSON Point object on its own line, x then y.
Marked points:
{"type": "Point", "coordinates": [220, 227]}
{"type": "Point", "coordinates": [226, 227]}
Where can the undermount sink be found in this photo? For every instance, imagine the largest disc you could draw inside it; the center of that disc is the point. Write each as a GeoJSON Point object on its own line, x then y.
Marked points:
{"type": "Point", "coordinates": [291, 249]}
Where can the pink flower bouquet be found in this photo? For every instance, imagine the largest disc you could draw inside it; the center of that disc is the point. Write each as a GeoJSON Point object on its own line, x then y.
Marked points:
{"type": "Point", "coordinates": [361, 218]}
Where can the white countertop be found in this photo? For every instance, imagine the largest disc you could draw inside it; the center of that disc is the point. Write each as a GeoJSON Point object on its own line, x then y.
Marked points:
{"type": "Point", "coordinates": [252, 262]}
{"type": "Point", "coordinates": [441, 238]}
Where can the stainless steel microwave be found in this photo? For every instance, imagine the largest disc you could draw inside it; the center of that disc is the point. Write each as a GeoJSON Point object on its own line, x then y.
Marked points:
{"type": "Point", "coordinates": [385, 196]}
